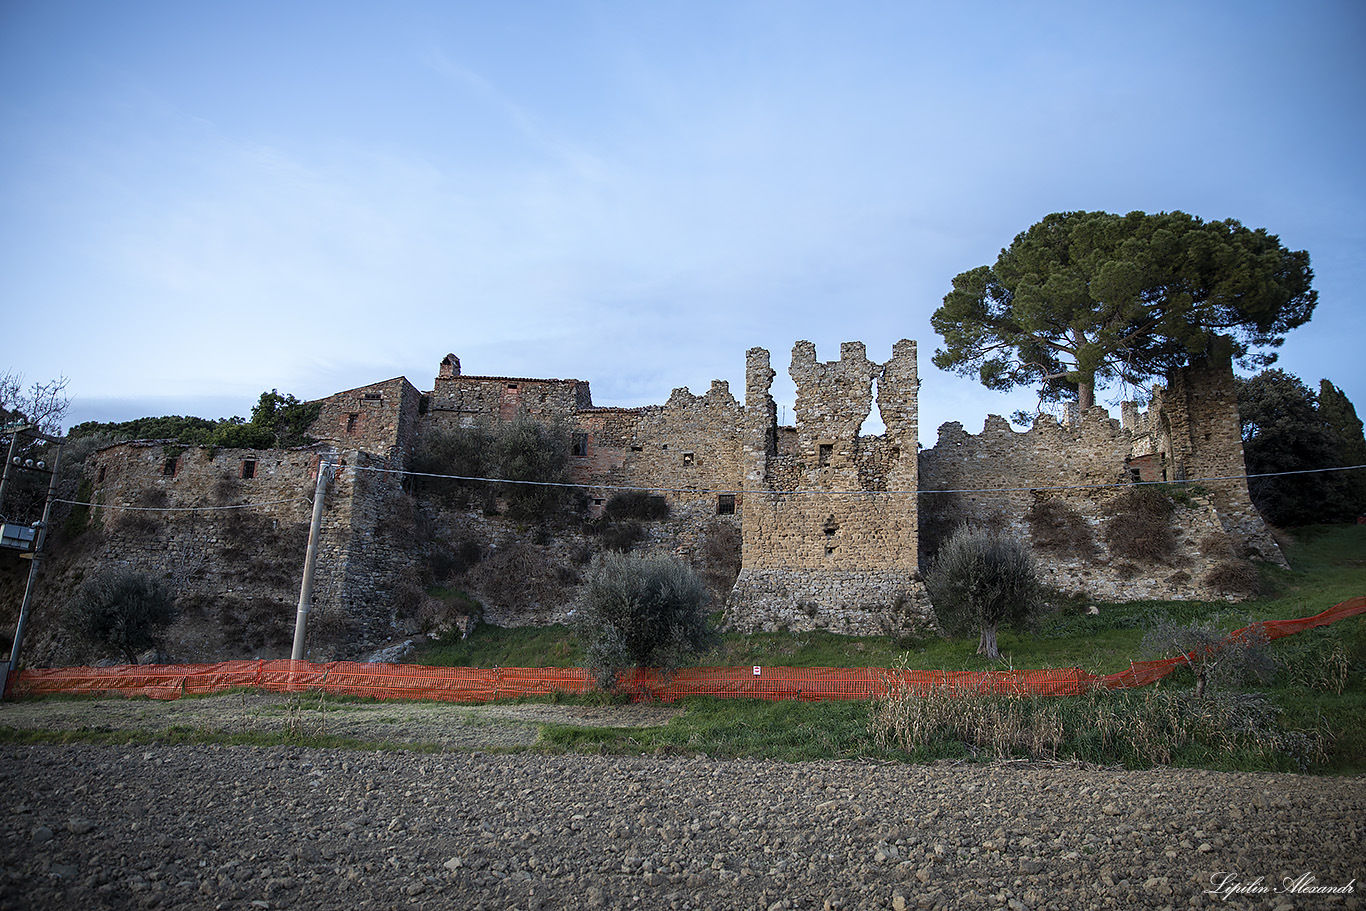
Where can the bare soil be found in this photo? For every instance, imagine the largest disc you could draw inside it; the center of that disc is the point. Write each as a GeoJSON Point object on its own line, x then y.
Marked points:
{"type": "Point", "coordinates": [258, 828]}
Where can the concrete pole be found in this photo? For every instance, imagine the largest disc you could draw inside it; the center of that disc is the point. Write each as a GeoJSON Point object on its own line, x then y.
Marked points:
{"type": "Point", "coordinates": [13, 670]}
{"type": "Point", "coordinates": [311, 560]}
{"type": "Point", "coordinates": [9, 463]}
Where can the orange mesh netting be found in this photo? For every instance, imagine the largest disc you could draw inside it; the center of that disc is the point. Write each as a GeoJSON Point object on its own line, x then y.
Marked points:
{"type": "Point", "coordinates": [466, 684]}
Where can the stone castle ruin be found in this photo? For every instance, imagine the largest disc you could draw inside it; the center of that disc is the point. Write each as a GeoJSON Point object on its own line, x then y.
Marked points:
{"type": "Point", "coordinates": [833, 526]}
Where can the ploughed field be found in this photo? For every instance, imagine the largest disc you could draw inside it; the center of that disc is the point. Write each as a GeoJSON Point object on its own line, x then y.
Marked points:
{"type": "Point", "coordinates": [217, 826]}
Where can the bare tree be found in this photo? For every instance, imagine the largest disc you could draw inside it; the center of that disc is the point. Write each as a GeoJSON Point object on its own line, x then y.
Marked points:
{"type": "Point", "coordinates": [43, 405]}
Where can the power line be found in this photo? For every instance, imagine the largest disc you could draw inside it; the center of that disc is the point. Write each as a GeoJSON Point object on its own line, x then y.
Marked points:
{"type": "Point", "coordinates": [183, 508]}
{"type": "Point", "coordinates": [763, 490]}
{"type": "Point", "coordinates": [710, 490]}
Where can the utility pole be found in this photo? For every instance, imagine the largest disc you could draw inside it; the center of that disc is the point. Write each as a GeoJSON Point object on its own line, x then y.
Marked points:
{"type": "Point", "coordinates": [12, 671]}
{"type": "Point", "coordinates": [13, 430]}
{"type": "Point", "coordinates": [311, 560]}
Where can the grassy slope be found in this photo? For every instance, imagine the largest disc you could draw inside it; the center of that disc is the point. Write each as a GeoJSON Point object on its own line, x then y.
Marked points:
{"type": "Point", "coordinates": [1328, 566]}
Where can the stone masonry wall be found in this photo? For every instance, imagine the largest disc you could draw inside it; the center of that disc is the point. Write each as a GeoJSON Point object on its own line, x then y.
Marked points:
{"type": "Point", "coordinates": [688, 450]}
{"type": "Point", "coordinates": [999, 478]}
{"type": "Point", "coordinates": [468, 401]}
{"type": "Point", "coordinates": [832, 541]}
{"type": "Point", "coordinates": [381, 418]}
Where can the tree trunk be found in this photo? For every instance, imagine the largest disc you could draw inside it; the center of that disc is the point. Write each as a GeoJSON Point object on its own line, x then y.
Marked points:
{"type": "Point", "coordinates": [1086, 394]}
{"type": "Point", "coordinates": [987, 644]}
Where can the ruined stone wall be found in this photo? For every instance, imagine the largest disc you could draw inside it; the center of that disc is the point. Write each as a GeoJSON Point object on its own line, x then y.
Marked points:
{"type": "Point", "coordinates": [381, 418]}
{"type": "Point", "coordinates": [469, 401]}
{"type": "Point", "coordinates": [832, 542]}
{"type": "Point", "coordinates": [1200, 412]}
{"type": "Point", "coordinates": [188, 530]}
{"type": "Point", "coordinates": [158, 474]}
{"type": "Point", "coordinates": [688, 450]}
{"type": "Point", "coordinates": [1011, 481]}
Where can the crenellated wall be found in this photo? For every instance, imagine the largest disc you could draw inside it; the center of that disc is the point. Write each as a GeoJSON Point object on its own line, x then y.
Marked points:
{"type": "Point", "coordinates": [1009, 480]}
{"type": "Point", "coordinates": [832, 540]}
{"type": "Point", "coordinates": [833, 525]}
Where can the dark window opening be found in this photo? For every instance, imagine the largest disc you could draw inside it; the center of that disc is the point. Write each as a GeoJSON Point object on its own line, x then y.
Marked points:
{"type": "Point", "coordinates": [169, 468]}
{"type": "Point", "coordinates": [580, 445]}
{"type": "Point", "coordinates": [829, 549]}
{"type": "Point", "coordinates": [725, 504]}
{"type": "Point", "coordinates": [824, 451]}
{"type": "Point", "coordinates": [687, 458]}
{"type": "Point", "coordinates": [248, 469]}
{"type": "Point", "coordinates": [100, 480]}
{"type": "Point", "coordinates": [351, 420]}
{"type": "Point", "coordinates": [1135, 475]}
{"type": "Point", "coordinates": [597, 501]}
{"type": "Point", "coordinates": [373, 397]}
{"type": "Point", "coordinates": [636, 447]}
{"type": "Point", "coordinates": [512, 385]}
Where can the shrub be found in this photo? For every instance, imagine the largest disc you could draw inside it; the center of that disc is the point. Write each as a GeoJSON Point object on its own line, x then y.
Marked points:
{"type": "Point", "coordinates": [637, 504]}
{"type": "Point", "coordinates": [621, 536]}
{"type": "Point", "coordinates": [1235, 577]}
{"type": "Point", "coordinates": [642, 612]}
{"type": "Point", "coordinates": [121, 610]}
{"type": "Point", "coordinates": [522, 450]}
{"type": "Point", "coordinates": [1211, 654]}
{"type": "Point", "coordinates": [1139, 527]}
{"type": "Point", "coordinates": [719, 555]}
{"type": "Point", "coordinates": [463, 452]}
{"type": "Point", "coordinates": [1056, 526]}
{"type": "Point", "coordinates": [980, 581]}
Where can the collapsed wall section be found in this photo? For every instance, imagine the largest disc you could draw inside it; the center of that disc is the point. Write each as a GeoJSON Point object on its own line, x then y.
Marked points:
{"type": "Point", "coordinates": [688, 450]}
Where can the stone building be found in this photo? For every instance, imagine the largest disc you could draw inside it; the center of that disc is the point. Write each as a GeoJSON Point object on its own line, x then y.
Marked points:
{"type": "Point", "coordinates": [833, 524]}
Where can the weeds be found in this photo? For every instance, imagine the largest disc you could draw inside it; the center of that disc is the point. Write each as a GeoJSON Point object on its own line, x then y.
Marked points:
{"type": "Point", "coordinates": [1137, 729]}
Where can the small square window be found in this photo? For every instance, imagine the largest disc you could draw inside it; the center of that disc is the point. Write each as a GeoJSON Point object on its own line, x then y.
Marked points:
{"type": "Point", "coordinates": [824, 451]}
{"type": "Point", "coordinates": [725, 504]}
{"type": "Point", "coordinates": [248, 469]}
{"type": "Point", "coordinates": [512, 385]}
{"type": "Point", "coordinates": [687, 458]}
{"type": "Point", "coordinates": [169, 468]}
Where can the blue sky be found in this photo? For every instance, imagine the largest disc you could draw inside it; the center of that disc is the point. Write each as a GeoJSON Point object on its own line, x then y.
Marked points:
{"type": "Point", "coordinates": [201, 201]}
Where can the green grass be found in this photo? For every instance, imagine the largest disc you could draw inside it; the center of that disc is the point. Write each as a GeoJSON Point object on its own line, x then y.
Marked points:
{"type": "Point", "coordinates": [1321, 687]}
{"type": "Point", "coordinates": [1328, 566]}
{"type": "Point", "coordinates": [496, 646]}
{"type": "Point", "coordinates": [733, 728]}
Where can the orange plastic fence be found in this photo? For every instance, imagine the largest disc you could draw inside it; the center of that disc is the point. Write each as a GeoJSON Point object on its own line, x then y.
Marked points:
{"type": "Point", "coordinates": [466, 684]}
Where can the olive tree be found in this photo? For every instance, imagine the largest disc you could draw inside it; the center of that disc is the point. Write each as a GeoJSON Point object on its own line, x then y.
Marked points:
{"type": "Point", "coordinates": [980, 581]}
{"type": "Point", "coordinates": [121, 610]}
{"type": "Point", "coordinates": [642, 612]}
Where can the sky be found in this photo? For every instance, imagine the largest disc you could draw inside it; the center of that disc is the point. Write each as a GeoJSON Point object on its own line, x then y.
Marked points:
{"type": "Point", "coordinates": [203, 201]}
